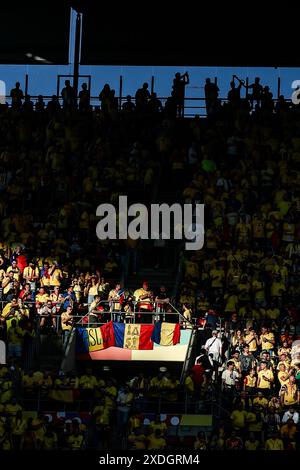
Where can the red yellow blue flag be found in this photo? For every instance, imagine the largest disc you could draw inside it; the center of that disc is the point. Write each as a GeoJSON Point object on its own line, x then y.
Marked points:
{"type": "Point", "coordinates": [133, 336]}
{"type": "Point", "coordinates": [166, 334]}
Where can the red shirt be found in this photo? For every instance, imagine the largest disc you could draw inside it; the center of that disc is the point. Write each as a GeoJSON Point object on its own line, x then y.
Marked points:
{"type": "Point", "coordinates": [198, 373]}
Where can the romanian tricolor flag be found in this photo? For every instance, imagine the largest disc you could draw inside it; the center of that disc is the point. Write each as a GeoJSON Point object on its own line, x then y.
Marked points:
{"type": "Point", "coordinates": [95, 339]}
{"type": "Point", "coordinates": [166, 334]}
{"type": "Point", "coordinates": [130, 336]}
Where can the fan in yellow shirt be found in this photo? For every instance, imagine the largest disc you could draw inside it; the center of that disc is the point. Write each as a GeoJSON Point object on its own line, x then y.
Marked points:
{"type": "Point", "coordinates": [56, 275]}
{"type": "Point", "coordinates": [88, 381]}
{"type": "Point", "coordinates": [231, 300]}
{"type": "Point", "coordinates": [238, 418]}
{"type": "Point", "coordinates": [156, 441]}
{"type": "Point", "coordinates": [265, 377]}
{"type": "Point", "coordinates": [252, 443]}
{"type": "Point", "coordinates": [191, 269]}
{"type": "Point", "coordinates": [76, 440]}
{"type": "Point", "coordinates": [50, 440]}
{"type": "Point", "coordinates": [274, 443]}
{"type": "Point", "coordinates": [137, 440]}
{"type": "Point", "coordinates": [31, 273]}
{"type": "Point", "coordinates": [158, 424]}
{"type": "Point", "coordinates": [250, 381]}
{"type": "Point", "coordinates": [12, 408]}
{"type": "Point", "coordinates": [15, 270]}
{"type": "Point", "coordinates": [101, 414]}
{"type": "Point", "coordinates": [217, 276]}
{"type": "Point", "coordinates": [251, 339]}
{"type": "Point", "coordinates": [289, 393]}
{"type": "Point", "coordinates": [267, 339]}
{"type": "Point", "coordinates": [272, 313]}
{"type": "Point", "coordinates": [258, 288]}
{"type": "Point", "coordinates": [277, 287]}
{"type": "Point", "coordinates": [283, 375]}
{"type": "Point", "coordinates": [42, 296]}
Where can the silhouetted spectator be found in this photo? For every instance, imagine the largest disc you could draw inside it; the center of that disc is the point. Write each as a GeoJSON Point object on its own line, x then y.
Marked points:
{"type": "Point", "coordinates": [141, 98]}
{"type": "Point", "coordinates": [211, 91]}
{"type": "Point", "coordinates": [154, 104]}
{"type": "Point", "coordinates": [28, 104]}
{"type": "Point", "coordinates": [17, 96]}
{"type": "Point", "coordinates": [234, 94]}
{"type": "Point", "coordinates": [54, 105]}
{"type": "Point", "coordinates": [68, 96]}
{"type": "Point", "coordinates": [267, 99]}
{"type": "Point", "coordinates": [84, 98]}
{"type": "Point", "coordinates": [257, 91]}
{"type": "Point", "coordinates": [179, 84]}
{"type": "Point", "coordinates": [281, 105]}
{"type": "Point", "coordinates": [104, 97]}
{"type": "Point", "coordinates": [128, 106]}
{"type": "Point", "coordinates": [171, 106]}
{"type": "Point", "coordinates": [40, 104]}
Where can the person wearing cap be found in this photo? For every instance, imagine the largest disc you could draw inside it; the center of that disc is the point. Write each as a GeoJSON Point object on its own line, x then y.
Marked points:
{"type": "Point", "coordinates": [214, 345]}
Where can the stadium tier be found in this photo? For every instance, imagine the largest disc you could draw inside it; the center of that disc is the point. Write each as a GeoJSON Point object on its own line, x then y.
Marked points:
{"type": "Point", "coordinates": [138, 344]}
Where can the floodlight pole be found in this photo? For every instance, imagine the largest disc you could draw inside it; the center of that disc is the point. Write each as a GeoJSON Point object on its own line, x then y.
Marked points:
{"type": "Point", "coordinates": [77, 53]}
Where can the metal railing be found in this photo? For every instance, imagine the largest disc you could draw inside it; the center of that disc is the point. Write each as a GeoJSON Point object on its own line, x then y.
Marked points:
{"type": "Point", "coordinates": [199, 109]}
{"type": "Point", "coordinates": [156, 312]}
{"type": "Point", "coordinates": [40, 401]}
{"type": "Point", "coordinates": [198, 106]}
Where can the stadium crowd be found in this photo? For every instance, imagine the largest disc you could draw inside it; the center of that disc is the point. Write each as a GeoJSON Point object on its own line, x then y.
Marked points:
{"type": "Point", "coordinates": [58, 163]}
